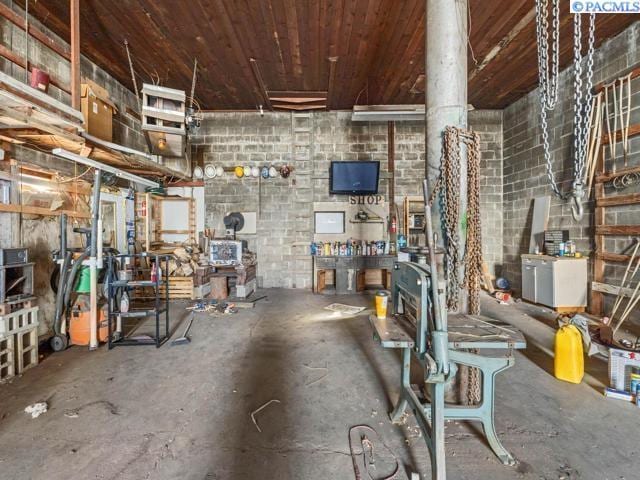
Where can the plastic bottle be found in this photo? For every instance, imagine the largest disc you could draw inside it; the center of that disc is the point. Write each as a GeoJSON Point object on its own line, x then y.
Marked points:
{"type": "Point", "coordinates": [569, 357]}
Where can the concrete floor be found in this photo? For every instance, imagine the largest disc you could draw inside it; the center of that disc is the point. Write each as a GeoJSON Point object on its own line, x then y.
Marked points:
{"type": "Point", "coordinates": [183, 412]}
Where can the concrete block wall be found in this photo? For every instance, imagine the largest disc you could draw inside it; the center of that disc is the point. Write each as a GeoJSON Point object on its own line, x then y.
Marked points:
{"type": "Point", "coordinates": [309, 142]}
{"type": "Point", "coordinates": [488, 123]}
{"type": "Point", "coordinates": [524, 166]}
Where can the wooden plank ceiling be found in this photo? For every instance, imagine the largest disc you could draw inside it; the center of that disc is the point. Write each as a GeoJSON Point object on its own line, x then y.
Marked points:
{"type": "Point", "coordinates": [379, 46]}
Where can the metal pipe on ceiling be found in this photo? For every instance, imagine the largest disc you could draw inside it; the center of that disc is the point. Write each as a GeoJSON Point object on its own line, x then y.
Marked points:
{"type": "Point", "coordinates": [62, 153]}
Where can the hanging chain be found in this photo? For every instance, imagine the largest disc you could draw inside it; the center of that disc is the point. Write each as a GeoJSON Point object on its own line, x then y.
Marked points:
{"type": "Point", "coordinates": [473, 254]}
{"type": "Point", "coordinates": [448, 185]}
{"type": "Point", "coordinates": [582, 101]}
{"type": "Point", "coordinates": [548, 88]}
{"type": "Point", "coordinates": [451, 202]}
{"type": "Point", "coordinates": [548, 79]}
{"type": "Point", "coordinates": [548, 94]}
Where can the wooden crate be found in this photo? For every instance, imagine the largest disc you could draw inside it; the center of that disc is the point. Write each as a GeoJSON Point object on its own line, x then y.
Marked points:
{"type": "Point", "coordinates": [179, 288]}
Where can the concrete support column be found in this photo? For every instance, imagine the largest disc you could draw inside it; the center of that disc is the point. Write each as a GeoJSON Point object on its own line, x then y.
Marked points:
{"type": "Point", "coordinates": [446, 91]}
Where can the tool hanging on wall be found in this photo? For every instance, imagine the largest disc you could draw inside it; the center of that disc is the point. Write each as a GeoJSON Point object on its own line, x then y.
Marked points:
{"type": "Point", "coordinates": [548, 69]}
{"type": "Point", "coordinates": [620, 114]}
{"type": "Point", "coordinates": [626, 284]}
{"type": "Point", "coordinates": [595, 138]}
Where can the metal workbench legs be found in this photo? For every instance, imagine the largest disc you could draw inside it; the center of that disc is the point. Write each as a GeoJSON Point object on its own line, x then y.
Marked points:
{"type": "Point", "coordinates": [483, 413]}
{"type": "Point", "coordinates": [430, 418]}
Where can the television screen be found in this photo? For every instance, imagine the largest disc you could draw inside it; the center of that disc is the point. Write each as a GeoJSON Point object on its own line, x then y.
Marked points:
{"type": "Point", "coordinates": [354, 178]}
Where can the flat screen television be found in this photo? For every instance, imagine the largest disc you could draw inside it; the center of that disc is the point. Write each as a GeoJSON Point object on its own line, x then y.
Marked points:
{"type": "Point", "coordinates": [354, 178]}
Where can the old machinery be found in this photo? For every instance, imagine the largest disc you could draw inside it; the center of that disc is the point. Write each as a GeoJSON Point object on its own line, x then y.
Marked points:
{"type": "Point", "coordinates": [445, 344]}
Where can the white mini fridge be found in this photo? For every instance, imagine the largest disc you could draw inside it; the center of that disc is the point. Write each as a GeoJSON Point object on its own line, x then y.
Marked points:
{"type": "Point", "coordinates": [557, 282]}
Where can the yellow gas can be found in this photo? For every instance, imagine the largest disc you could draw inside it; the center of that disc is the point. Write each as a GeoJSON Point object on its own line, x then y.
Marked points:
{"type": "Point", "coordinates": [569, 358]}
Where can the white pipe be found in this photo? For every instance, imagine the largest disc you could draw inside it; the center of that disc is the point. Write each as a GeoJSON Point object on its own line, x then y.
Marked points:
{"type": "Point", "coordinates": [93, 295]}
{"type": "Point", "coordinates": [62, 153]}
{"type": "Point", "coordinates": [99, 245]}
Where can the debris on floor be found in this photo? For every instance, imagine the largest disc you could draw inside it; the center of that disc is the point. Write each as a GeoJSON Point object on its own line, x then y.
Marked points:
{"type": "Point", "coordinates": [253, 414]}
{"type": "Point", "coordinates": [325, 369]}
{"type": "Point", "coordinates": [344, 309]}
{"type": "Point", "coordinates": [213, 308]}
{"type": "Point", "coordinates": [370, 455]}
{"type": "Point", "coordinates": [37, 409]}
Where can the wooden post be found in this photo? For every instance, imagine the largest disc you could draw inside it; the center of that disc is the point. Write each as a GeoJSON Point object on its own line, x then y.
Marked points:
{"type": "Point", "coordinates": [391, 162]}
{"type": "Point", "coordinates": [74, 7]}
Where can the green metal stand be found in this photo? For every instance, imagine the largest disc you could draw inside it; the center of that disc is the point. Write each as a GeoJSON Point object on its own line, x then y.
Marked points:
{"type": "Point", "coordinates": [441, 344]}
{"type": "Point", "coordinates": [431, 416]}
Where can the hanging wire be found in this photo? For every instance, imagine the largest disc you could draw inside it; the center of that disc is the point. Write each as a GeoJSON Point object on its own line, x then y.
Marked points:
{"type": "Point", "coordinates": [133, 75]}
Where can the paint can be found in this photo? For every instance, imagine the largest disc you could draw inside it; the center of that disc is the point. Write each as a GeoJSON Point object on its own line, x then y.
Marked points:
{"type": "Point", "coordinates": [503, 296]}
{"type": "Point", "coordinates": [561, 248]}
{"type": "Point", "coordinates": [382, 301]}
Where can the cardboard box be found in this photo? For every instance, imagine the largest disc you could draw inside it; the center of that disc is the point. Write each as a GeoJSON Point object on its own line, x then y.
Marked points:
{"type": "Point", "coordinates": [97, 111]}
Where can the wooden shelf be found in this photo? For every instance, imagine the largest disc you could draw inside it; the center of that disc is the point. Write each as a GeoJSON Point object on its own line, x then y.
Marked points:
{"type": "Point", "coordinates": [602, 230]}
{"type": "Point", "coordinates": [633, 131]}
{"type": "Point", "coordinates": [629, 199]}
{"type": "Point", "coordinates": [612, 257]}
{"type": "Point", "coordinates": [35, 120]}
{"type": "Point", "coordinates": [617, 229]}
{"type": "Point", "coordinates": [605, 177]}
{"type": "Point", "coordinates": [25, 209]}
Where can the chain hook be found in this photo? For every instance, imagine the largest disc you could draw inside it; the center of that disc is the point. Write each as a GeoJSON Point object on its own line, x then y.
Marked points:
{"type": "Point", "coordinates": [577, 207]}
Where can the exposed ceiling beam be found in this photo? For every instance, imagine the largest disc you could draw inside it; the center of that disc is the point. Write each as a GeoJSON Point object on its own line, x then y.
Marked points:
{"type": "Point", "coordinates": [300, 107]}
{"type": "Point", "coordinates": [298, 100]}
{"type": "Point", "coordinates": [333, 62]}
{"type": "Point", "coordinates": [74, 7]}
{"type": "Point", "coordinates": [297, 93]}
{"type": "Point", "coordinates": [263, 87]}
{"type": "Point", "coordinates": [506, 40]}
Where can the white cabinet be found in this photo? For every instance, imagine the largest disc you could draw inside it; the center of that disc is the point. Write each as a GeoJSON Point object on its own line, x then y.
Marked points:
{"type": "Point", "coordinates": [554, 281]}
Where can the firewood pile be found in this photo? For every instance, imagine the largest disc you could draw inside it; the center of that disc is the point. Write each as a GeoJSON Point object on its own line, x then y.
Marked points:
{"type": "Point", "coordinates": [185, 262]}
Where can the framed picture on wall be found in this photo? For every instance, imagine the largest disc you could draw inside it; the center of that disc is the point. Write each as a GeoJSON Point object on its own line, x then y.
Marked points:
{"type": "Point", "coordinates": [329, 222]}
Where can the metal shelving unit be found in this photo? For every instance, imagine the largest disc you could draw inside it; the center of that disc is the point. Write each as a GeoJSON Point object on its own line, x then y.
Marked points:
{"type": "Point", "coordinates": [152, 306]}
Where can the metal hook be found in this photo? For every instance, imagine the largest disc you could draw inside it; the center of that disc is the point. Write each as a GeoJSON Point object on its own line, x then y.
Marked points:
{"type": "Point", "coordinates": [577, 209]}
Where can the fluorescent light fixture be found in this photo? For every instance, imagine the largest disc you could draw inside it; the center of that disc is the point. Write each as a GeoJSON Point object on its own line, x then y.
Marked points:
{"type": "Point", "coordinates": [62, 153]}
{"type": "Point", "coordinates": [386, 113]}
